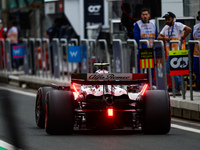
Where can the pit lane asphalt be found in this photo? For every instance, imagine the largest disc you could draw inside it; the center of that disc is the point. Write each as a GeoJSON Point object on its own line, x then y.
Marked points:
{"type": "Point", "coordinates": [33, 138]}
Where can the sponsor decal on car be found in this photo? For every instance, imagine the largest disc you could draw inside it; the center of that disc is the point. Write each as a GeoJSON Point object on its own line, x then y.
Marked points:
{"type": "Point", "coordinates": [109, 76]}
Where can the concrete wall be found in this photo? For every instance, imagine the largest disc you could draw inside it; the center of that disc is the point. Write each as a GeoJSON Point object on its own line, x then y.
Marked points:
{"type": "Point", "coordinates": [175, 6]}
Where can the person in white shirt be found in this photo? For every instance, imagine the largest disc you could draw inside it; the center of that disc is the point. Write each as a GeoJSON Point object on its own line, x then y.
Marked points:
{"type": "Point", "coordinates": [173, 31]}
{"type": "Point", "coordinates": [12, 35]}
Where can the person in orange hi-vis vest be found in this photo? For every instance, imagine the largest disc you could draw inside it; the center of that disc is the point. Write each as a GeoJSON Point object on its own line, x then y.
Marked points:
{"type": "Point", "coordinates": [145, 29]}
{"type": "Point", "coordinates": [195, 35]}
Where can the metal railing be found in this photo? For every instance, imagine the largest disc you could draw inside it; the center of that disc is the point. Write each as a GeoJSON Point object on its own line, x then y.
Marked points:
{"type": "Point", "coordinates": [38, 66]}
{"type": "Point", "coordinates": [190, 66]}
{"type": "Point", "coordinates": [182, 77]}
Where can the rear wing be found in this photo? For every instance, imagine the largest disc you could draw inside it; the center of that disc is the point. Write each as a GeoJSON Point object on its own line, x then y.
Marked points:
{"type": "Point", "coordinates": [109, 78]}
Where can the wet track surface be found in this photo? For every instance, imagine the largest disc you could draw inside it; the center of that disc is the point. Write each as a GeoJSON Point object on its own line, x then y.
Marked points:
{"type": "Point", "coordinates": [32, 138]}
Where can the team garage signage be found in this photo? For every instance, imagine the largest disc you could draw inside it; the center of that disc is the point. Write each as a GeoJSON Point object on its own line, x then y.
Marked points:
{"type": "Point", "coordinates": [179, 64]}
{"type": "Point", "coordinates": [146, 58]}
{"type": "Point", "coordinates": [94, 13]}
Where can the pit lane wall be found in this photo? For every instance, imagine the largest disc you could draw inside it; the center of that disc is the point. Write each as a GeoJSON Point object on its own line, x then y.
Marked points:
{"type": "Point", "coordinates": [38, 69]}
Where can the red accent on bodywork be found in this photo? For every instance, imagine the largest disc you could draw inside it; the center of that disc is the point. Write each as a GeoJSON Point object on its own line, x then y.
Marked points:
{"type": "Point", "coordinates": [139, 76]}
{"type": "Point", "coordinates": [75, 90]}
{"type": "Point", "coordinates": [144, 89]}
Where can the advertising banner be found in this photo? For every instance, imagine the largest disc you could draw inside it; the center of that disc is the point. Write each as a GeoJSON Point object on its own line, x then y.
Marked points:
{"type": "Point", "coordinates": [179, 64]}
{"type": "Point", "coordinates": [18, 51]}
{"type": "Point", "coordinates": [74, 54]}
{"type": "Point", "coordinates": [146, 58]}
{"type": "Point", "coordinates": [94, 13]}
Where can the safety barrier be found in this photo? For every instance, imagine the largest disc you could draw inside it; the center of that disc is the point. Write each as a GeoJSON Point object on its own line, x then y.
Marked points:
{"type": "Point", "coordinates": [3, 62]}
{"type": "Point", "coordinates": [39, 63]}
{"type": "Point", "coordinates": [100, 56]}
{"type": "Point", "coordinates": [92, 53]}
{"type": "Point", "coordinates": [182, 78]}
{"type": "Point", "coordinates": [190, 66]}
{"type": "Point", "coordinates": [31, 56]}
{"type": "Point", "coordinates": [160, 66]}
{"type": "Point", "coordinates": [8, 54]}
{"type": "Point", "coordinates": [161, 82]}
{"type": "Point", "coordinates": [129, 42]}
{"type": "Point", "coordinates": [63, 44]}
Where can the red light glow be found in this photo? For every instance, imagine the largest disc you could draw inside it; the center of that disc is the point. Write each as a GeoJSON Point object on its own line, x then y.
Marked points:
{"type": "Point", "coordinates": [110, 112]}
{"type": "Point", "coordinates": [75, 90]}
{"type": "Point", "coordinates": [144, 89]}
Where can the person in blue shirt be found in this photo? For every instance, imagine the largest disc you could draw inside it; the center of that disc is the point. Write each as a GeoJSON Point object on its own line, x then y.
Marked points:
{"type": "Point", "coordinates": [54, 30]}
{"type": "Point", "coordinates": [145, 29]}
{"type": "Point", "coordinates": [195, 35]}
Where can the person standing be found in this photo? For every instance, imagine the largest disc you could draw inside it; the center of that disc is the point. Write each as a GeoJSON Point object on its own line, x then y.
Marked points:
{"type": "Point", "coordinates": [12, 34]}
{"type": "Point", "coordinates": [173, 31]}
{"type": "Point", "coordinates": [195, 35]}
{"type": "Point", "coordinates": [145, 29]}
{"type": "Point", "coordinates": [2, 30]}
{"type": "Point", "coordinates": [53, 32]}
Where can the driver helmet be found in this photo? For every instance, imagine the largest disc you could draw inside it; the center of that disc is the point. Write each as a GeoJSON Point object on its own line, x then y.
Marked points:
{"type": "Point", "coordinates": [101, 71]}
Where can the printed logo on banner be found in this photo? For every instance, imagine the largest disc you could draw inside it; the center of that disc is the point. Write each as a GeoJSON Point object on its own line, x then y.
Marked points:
{"type": "Point", "coordinates": [74, 54]}
{"type": "Point", "coordinates": [146, 58]}
{"type": "Point", "coordinates": [94, 8]}
{"type": "Point", "coordinates": [179, 64]}
{"type": "Point", "coordinates": [18, 51]}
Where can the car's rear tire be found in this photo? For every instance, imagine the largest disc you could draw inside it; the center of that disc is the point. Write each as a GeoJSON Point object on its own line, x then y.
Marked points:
{"type": "Point", "coordinates": [156, 113]}
{"type": "Point", "coordinates": [40, 106]}
{"type": "Point", "coordinates": [59, 112]}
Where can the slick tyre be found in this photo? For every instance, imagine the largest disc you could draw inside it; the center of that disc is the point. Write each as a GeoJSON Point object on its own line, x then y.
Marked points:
{"type": "Point", "coordinates": [40, 107]}
{"type": "Point", "coordinates": [156, 112]}
{"type": "Point", "coordinates": [60, 112]}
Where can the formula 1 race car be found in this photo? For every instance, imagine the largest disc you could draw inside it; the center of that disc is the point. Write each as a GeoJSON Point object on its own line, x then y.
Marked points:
{"type": "Point", "coordinates": [103, 100]}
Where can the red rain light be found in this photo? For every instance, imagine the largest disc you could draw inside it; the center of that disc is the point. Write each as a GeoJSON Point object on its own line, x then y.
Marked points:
{"type": "Point", "coordinates": [144, 89]}
{"type": "Point", "coordinates": [75, 90]}
{"type": "Point", "coordinates": [110, 112]}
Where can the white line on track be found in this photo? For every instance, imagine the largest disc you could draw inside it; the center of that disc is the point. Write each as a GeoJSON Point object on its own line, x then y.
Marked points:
{"type": "Point", "coordinates": [6, 146]}
{"type": "Point", "coordinates": [18, 91]}
{"type": "Point", "coordinates": [185, 128]}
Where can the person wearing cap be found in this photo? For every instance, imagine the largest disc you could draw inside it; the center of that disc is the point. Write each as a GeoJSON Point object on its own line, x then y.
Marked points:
{"type": "Point", "coordinates": [145, 29]}
{"type": "Point", "coordinates": [173, 31]}
{"type": "Point", "coordinates": [195, 35]}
